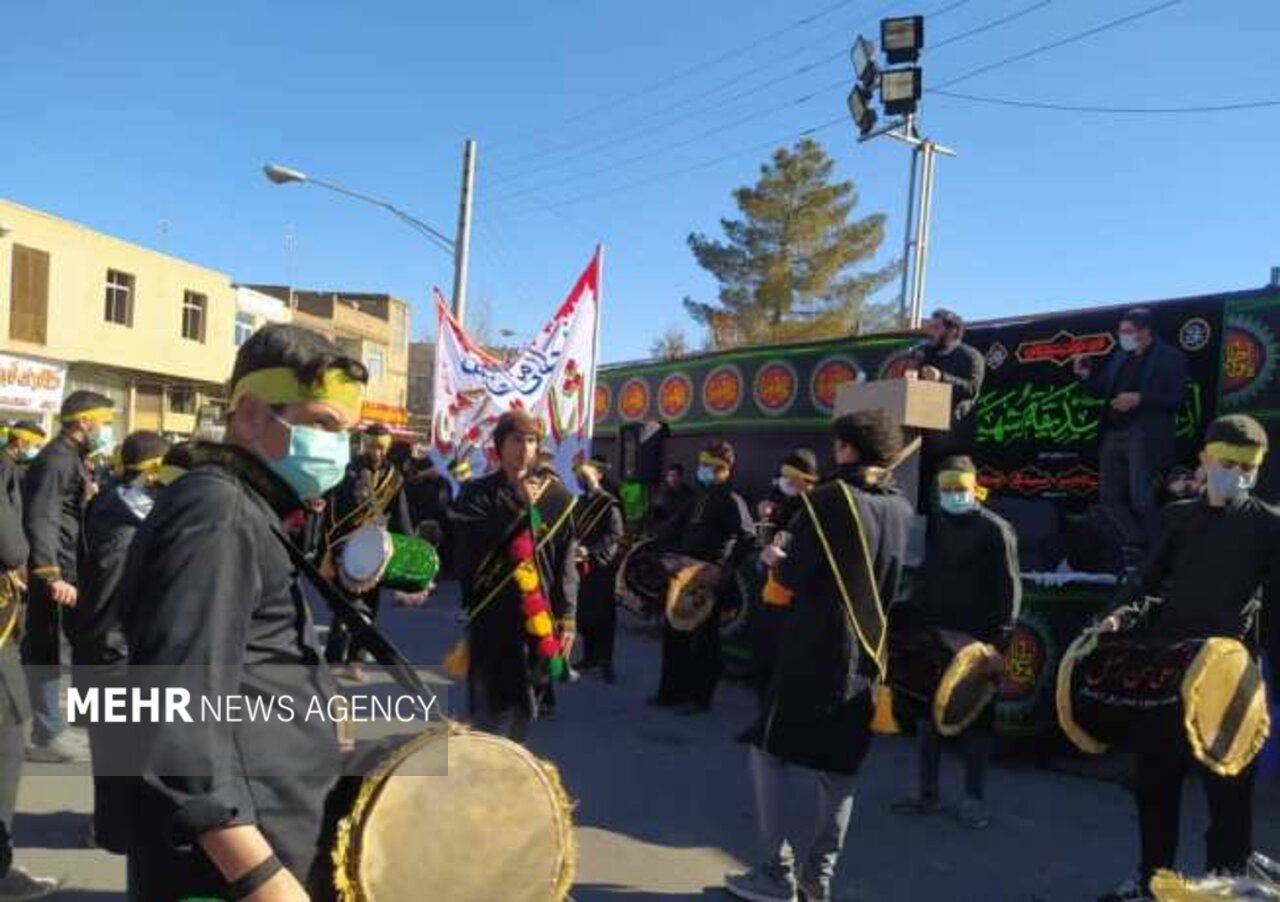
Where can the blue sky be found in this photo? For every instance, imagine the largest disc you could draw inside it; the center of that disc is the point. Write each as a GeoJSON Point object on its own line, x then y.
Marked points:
{"type": "Point", "coordinates": [130, 116]}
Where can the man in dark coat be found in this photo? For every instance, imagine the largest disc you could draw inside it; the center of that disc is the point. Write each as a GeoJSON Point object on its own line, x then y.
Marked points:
{"type": "Point", "coordinates": [674, 496]}
{"type": "Point", "coordinates": [226, 808]}
{"type": "Point", "coordinates": [508, 662]}
{"type": "Point", "coordinates": [22, 445]}
{"type": "Point", "coordinates": [371, 492]}
{"type": "Point", "coordinates": [970, 587]}
{"type": "Point", "coordinates": [55, 493]}
{"type": "Point", "coordinates": [597, 521]}
{"type": "Point", "coordinates": [717, 529]}
{"type": "Point", "coordinates": [1144, 385]}
{"type": "Point", "coordinates": [15, 707]}
{"type": "Point", "coordinates": [843, 567]}
{"type": "Point", "coordinates": [1213, 571]}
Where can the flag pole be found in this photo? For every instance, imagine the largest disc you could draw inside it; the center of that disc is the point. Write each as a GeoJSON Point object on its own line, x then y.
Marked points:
{"type": "Point", "coordinates": [595, 347]}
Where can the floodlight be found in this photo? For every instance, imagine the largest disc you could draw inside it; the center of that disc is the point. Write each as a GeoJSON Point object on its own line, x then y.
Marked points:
{"type": "Point", "coordinates": [864, 62]}
{"type": "Point", "coordinates": [860, 108]}
{"type": "Point", "coordinates": [900, 90]}
{"type": "Point", "coordinates": [902, 39]}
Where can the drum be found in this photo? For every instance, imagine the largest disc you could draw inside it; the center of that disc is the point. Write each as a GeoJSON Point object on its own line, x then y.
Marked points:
{"type": "Point", "coordinates": [498, 826]}
{"type": "Point", "coordinates": [641, 581]}
{"type": "Point", "coordinates": [691, 591]}
{"type": "Point", "coordinates": [371, 556]}
{"type": "Point", "coordinates": [413, 565]}
{"type": "Point", "coordinates": [934, 678]}
{"type": "Point", "coordinates": [364, 558]}
{"type": "Point", "coordinates": [1142, 694]}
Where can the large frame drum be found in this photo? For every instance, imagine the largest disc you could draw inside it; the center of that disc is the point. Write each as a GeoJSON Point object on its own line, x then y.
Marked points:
{"type": "Point", "coordinates": [950, 685]}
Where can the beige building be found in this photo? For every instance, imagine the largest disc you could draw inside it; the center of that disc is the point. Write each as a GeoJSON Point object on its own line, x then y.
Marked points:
{"type": "Point", "coordinates": [154, 333]}
{"type": "Point", "coordinates": [373, 328]}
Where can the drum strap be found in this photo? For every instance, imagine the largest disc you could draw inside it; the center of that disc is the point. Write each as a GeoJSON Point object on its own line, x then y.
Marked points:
{"type": "Point", "coordinates": [362, 629]}
{"type": "Point", "coordinates": [596, 510]}
{"type": "Point", "coordinates": [548, 516]}
{"type": "Point", "coordinates": [834, 513]}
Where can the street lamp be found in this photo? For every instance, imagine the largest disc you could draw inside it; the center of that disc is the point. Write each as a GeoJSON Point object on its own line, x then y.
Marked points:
{"type": "Point", "coordinates": [282, 174]}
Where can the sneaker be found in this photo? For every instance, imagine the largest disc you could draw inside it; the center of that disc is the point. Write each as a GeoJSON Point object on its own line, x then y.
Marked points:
{"type": "Point", "coordinates": [758, 886]}
{"type": "Point", "coordinates": [917, 804]}
{"type": "Point", "coordinates": [814, 890]}
{"type": "Point", "coordinates": [972, 813]}
{"type": "Point", "coordinates": [18, 884]}
{"type": "Point", "coordinates": [61, 749]}
{"type": "Point", "coordinates": [1129, 891]}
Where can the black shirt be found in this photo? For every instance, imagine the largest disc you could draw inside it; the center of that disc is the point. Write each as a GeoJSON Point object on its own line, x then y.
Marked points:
{"type": "Point", "coordinates": [970, 581]}
{"type": "Point", "coordinates": [210, 586]}
{"type": "Point", "coordinates": [963, 368]}
{"type": "Point", "coordinates": [1210, 564]}
{"type": "Point", "coordinates": [715, 528]}
{"type": "Point", "coordinates": [1128, 379]}
{"type": "Point", "coordinates": [54, 500]}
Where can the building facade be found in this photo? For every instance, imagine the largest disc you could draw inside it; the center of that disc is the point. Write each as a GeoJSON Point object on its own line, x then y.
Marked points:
{"type": "Point", "coordinates": [154, 333]}
{"type": "Point", "coordinates": [373, 328]}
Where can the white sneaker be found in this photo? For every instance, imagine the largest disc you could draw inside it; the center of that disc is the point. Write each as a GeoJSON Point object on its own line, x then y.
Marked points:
{"type": "Point", "coordinates": [62, 749]}
{"type": "Point", "coordinates": [18, 884]}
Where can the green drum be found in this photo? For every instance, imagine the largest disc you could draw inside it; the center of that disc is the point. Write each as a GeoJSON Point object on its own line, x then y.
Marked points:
{"type": "Point", "coordinates": [413, 565]}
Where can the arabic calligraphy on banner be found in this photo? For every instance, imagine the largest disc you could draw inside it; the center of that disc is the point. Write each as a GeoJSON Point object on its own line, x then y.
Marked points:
{"type": "Point", "coordinates": [553, 378]}
{"type": "Point", "coordinates": [31, 385]}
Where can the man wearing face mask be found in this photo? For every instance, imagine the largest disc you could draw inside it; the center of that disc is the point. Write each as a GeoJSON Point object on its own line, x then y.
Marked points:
{"type": "Point", "coordinates": [715, 528]}
{"type": "Point", "coordinates": [371, 491]}
{"type": "Point", "coordinates": [597, 521]}
{"type": "Point", "coordinates": [55, 493]}
{"type": "Point", "coordinates": [1214, 569]}
{"type": "Point", "coordinates": [228, 809]}
{"type": "Point", "coordinates": [1144, 385]}
{"type": "Point", "coordinates": [21, 447]}
{"type": "Point", "coordinates": [969, 584]}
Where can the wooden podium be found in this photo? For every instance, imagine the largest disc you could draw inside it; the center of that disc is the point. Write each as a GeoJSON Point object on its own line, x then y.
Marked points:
{"type": "Point", "coordinates": [914, 405]}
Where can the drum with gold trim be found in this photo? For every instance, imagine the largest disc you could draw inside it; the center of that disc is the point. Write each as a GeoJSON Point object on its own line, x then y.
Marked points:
{"type": "Point", "coordinates": [1141, 693]}
{"type": "Point", "coordinates": [691, 591]}
{"type": "Point", "coordinates": [497, 826]}
{"type": "Point", "coordinates": [944, 676]}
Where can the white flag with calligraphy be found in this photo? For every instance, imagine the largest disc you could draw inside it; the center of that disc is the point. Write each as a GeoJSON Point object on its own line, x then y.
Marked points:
{"type": "Point", "coordinates": [553, 378]}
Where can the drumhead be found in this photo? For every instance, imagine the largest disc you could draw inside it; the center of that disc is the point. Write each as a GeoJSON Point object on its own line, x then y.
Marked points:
{"type": "Point", "coordinates": [1076, 651]}
{"type": "Point", "coordinates": [966, 688]}
{"type": "Point", "coordinates": [691, 595]}
{"type": "Point", "coordinates": [1225, 705]}
{"type": "Point", "coordinates": [497, 827]}
{"type": "Point", "coordinates": [365, 553]}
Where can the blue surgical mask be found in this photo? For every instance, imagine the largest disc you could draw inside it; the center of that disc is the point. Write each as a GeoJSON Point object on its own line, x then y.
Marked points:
{"type": "Point", "coordinates": [316, 460]}
{"type": "Point", "coordinates": [706, 475]}
{"type": "Point", "coordinates": [1129, 342]}
{"type": "Point", "coordinates": [957, 502]}
{"type": "Point", "coordinates": [1229, 482]}
{"type": "Point", "coordinates": [103, 439]}
{"type": "Point", "coordinates": [29, 454]}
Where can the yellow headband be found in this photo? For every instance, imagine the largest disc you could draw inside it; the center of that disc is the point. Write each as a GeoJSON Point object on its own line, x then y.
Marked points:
{"type": "Point", "coordinates": [706, 458]}
{"type": "Point", "coordinates": [1247, 455]}
{"type": "Point", "coordinates": [168, 474]}
{"type": "Point", "coordinates": [797, 475]}
{"type": "Point", "coordinates": [150, 465]}
{"type": "Point", "coordinates": [101, 415]}
{"type": "Point", "coordinates": [957, 479]}
{"type": "Point", "coordinates": [380, 441]}
{"type": "Point", "coordinates": [279, 385]}
{"type": "Point", "coordinates": [26, 436]}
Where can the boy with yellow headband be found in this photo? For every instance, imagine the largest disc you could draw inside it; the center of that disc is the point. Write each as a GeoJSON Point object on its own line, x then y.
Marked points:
{"type": "Point", "coordinates": [57, 488]}
{"type": "Point", "coordinates": [222, 809]}
{"type": "Point", "coordinates": [969, 585]}
{"type": "Point", "coordinates": [1214, 566]}
{"type": "Point", "coordinates": [22, 444]}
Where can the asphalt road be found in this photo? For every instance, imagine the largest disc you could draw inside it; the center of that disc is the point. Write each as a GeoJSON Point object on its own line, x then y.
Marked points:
{"type": "Point", "coordinates": [663, 807]}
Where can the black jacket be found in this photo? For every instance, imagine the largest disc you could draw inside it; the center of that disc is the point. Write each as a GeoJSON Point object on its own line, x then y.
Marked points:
{"type": "Point", "coordinates": [817, 712]}
{"type": "Point", "coordinates": [54, 501]}
{"type": "Point", "coordinates": [361, 490]}
{"type": "Point", "coordinates": [597, 522]}
{"type": "Point", "coordinates": [14, 549]}
{"type": "Point", "coordinates": [111, 522]}
{"type": "Point", "coordinates": [715, 527]}
{"type": "Point", "coordinates": [963, 368]}
{"type": "Point", "coordinates": [1163, 387]}
{"type": "Point", "coordinates": [428, 496]}
{"type": "Point", "coordinates": [210, 588]}
{"type": "Point", "coordinates": [970, 581]}
{"type": "Point", "coordinates": [671, 503]}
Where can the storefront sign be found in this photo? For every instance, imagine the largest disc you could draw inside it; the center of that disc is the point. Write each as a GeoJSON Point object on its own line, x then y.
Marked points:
{"type": "Point", "coordinates": [31, 386]}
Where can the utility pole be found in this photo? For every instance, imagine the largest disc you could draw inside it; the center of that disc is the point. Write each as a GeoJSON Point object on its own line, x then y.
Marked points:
{"type": "Point", "coordinates": [462, 246]}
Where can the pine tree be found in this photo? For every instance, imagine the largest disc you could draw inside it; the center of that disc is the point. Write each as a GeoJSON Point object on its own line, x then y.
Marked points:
{"type": "Point", "coordinates": [784, 268]}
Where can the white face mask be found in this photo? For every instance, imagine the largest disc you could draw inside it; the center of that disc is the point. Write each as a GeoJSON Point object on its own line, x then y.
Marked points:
{"type": "Point", "coordinates": [787, 487]}
{"type": "Point", "coordinates": [1129, 342]}
{"type": "Point", "coordinates": [1230, 483]}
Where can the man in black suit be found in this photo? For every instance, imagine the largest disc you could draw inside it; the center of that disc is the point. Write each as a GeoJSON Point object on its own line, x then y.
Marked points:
{"type": "Point", "coordinates": [1144, 385]}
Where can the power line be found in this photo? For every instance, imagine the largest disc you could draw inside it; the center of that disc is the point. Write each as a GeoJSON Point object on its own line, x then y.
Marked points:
{"type": "Point", "coordinates": [1016, 14]}
{"type": "Point", "coordinates": [1062, 42]}
{"type": "Point", "coordinates": [1111, 110]}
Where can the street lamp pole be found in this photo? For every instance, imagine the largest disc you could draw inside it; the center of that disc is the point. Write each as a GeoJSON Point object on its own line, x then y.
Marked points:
{"type": "Point", "coordinates": [462, 245]}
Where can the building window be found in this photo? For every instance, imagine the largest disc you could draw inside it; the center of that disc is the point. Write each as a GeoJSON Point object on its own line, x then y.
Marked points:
{"type": "Point", "coordinates": [244, 327]}
{"type": "Point", "coordinates": [193, 315]}
{"type": "Point", "coordinates": [182, 400]}
{"type": "Point", "coordinates": [373, 361]}
{"type": "Point", "coordinates": [29, 294]}
{"type": "Point", "coordinates": [119, 308]}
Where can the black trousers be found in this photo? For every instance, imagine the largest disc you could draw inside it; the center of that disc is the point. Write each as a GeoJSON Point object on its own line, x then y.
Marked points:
{"type": "Point", "coordinates": [1158, 791]}
{"type": "Point", "coordinates": [341, 648]}
{"type": "Point", "coordinates": [690, 664]}
{"type": "Point", "coordinates": [597, 618]}
{"type": "Point", "coordinates": [13, 714]}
